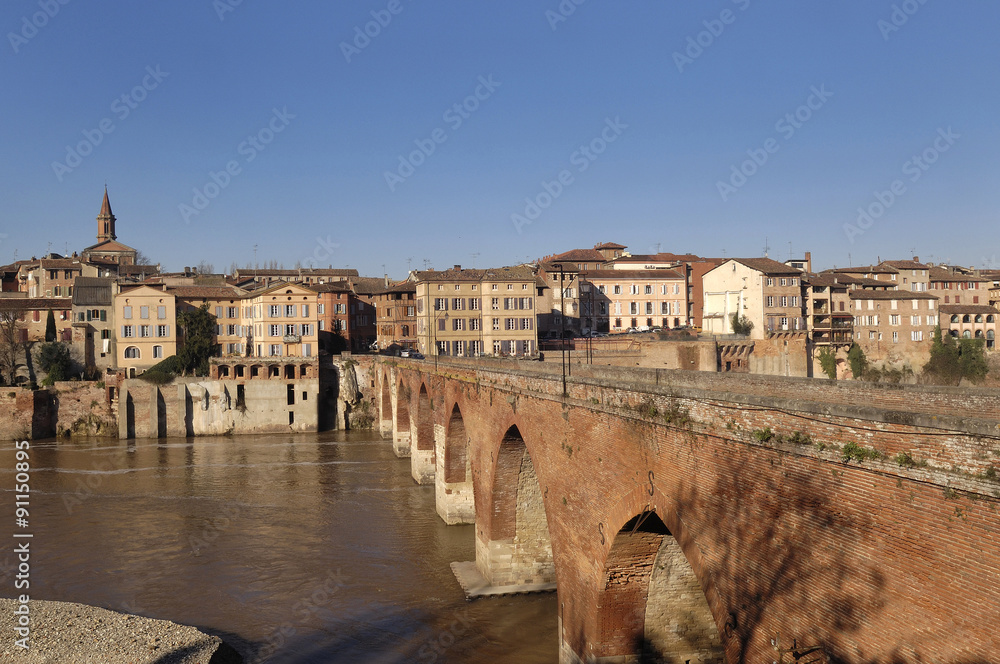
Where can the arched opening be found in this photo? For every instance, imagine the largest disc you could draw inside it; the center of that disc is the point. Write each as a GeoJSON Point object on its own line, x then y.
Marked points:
{"type": "Point", "coordinates": [386, 404]}
{"type": "Point", "coordinates": [454, 495]}
{"type": "Point", "coordinates": [290, 371]}
{"type": "Point", "coordinates": [425, 421]}
{"type": "Point", "coordinates": [423, 457]}
{"type": "Point", "coordinates": [514, 548]}
{"type": "Point", "coordinates": [651, 606]}
{"type": "Point", "coordinates": [966, 334]}
{"type": "Point", "coordinates": [456, 452]}
{"type": "Point", "coordinates": [979, 318]}
{"type": "Point", "coordinates": [402, 409]}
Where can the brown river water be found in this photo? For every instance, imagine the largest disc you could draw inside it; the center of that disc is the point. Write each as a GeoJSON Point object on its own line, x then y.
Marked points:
{"type": "Point", "coordinates": [296, 549]}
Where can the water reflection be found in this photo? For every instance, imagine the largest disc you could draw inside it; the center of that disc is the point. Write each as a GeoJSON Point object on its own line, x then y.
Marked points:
{"type": "Point", "coordinates": [318, 548]}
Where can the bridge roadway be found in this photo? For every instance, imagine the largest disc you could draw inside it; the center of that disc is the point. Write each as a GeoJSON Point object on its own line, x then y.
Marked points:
{"type": "Point", "coordinates": [697, 517]}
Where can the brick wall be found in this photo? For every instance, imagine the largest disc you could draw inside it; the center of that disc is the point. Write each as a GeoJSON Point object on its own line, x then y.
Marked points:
{"type": "Point", "coordinates": [873, 560]}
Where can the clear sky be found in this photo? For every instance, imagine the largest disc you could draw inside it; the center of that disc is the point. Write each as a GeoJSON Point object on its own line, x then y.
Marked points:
{"type": "Point", "coordinates": [694, 121]}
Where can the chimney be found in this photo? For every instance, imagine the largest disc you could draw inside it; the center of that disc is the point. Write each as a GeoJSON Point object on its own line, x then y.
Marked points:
{"type": "Point", "coordinates": [458, 267]}
{"type": "Point", "coordinates": [916, 259]}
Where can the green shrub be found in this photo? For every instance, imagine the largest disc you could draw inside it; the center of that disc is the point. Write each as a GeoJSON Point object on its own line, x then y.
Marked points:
{"type": "Point", "coordinates": [858, 453]}
{"type": "Point", "coordinates": [763, 435]}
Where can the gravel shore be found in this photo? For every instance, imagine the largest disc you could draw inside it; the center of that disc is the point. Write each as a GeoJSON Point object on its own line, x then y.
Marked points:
{"type": "Point", "coordinates": [65, 633]}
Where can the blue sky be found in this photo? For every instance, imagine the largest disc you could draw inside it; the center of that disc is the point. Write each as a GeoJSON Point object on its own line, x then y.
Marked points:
{"type": "Point", "coordinates": [633, 122]}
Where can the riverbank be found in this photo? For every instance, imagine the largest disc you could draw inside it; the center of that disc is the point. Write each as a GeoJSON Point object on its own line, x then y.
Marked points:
{"type": "Point", "coordinates": [78, 634]}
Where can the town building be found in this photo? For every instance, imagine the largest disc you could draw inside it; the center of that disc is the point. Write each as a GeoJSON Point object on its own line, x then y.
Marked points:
{"type": "Point", "coordinates": [226, 304]}
{"type": "Point", "coordinates": [617, 301]}
{"type": "Point", "coordinates": [472, 312]}
{"type": "Point", "coordinates": [145, 327]}
{"type": "Point", "coordinates": [970, 321]}
{"type": "Point", "coordinates": [829, 315]}
{"type": "Point", "coordinates": [93, 323]}
{"type": "Point", "coordinates": [768, 293]}
{"type": "Point", "coordinates": [396, 309]}
{"type": "Point", "coordinates": [347, 314]}
{"type": "Point", "coordinates": [108, 251]}
{"type": "Point", "coordinates": [283, 321]}
{"type": "Point", "coordinates": [954, 286]}
{"type": "Point", "coordinates": [33, 314]}
{"type": "Point", "coordinates": [894, 326]}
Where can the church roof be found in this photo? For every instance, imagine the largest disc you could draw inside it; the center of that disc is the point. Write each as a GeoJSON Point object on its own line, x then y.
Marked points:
{"type": "Point", "coordinates": [106, 205]}
{"type": "Point", "coordinates": [108, 245]}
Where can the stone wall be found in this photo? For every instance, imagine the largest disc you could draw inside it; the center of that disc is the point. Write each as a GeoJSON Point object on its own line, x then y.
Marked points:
{"type": "Point", "coordinates": [71, 408]}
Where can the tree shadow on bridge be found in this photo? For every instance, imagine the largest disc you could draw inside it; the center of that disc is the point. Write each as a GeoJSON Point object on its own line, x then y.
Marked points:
{"type": "Point", "coordinates": [783, 556]}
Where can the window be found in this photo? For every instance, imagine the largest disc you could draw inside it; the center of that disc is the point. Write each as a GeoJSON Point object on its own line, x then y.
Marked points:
{"type": "Point", "coordinates": [459, 348]}
{"type": "Point", "coordinates": [526, 323]}
{"type": "Point", "coordinates": [411, 311]}
{"type": "Point", "coordinates": [648, 290]}
{"type": "Point", "coordinates": [770, 301]}
{"type": "Point", "coordinates": [274, 350]}
{"type": "Point", "coordinates": [307, 329]}
{"type": "Point", "coordinates": [127, 331]}
{"type": "Point", "coordinates": [617, 289]}
{"type": "Point", "coordinates": [157, 352]}
{"type": "Point", "coordinates": [144, 330]}
{"type": "Point", "coordinates": [602, 290]}
{"type": "Point", "coordinates": [783, 322]}
{"type": "Point", "coordinates": [131, 353]}
{"type": "Point", "coordinates": [633, 308]}
{"type": "Point", "coordinates": [510, 324]}
{"type": "Point", "coordinates": [871, 334]}
{"type": "Point", "coordinates": [473, 324]}
{"type": "Point", "coordinates": [126, 312]}
{"type": "Point", "coordinates": [274, 311]}
{"type": "Point", "coordinates": [290, 329]}
{"type": "Point", "coordinates": [784, 299]}
{"type": "Point", "coordinates": [895, 337]}
{"type": "Point", "coordinates": [289, 311]}
{"type": "Point", "coordinates": [274, 330]}
{"type": "Point", "coordinates": [476, 346]}
{"type": "Point", "coordinates": [458, 303]}
{"type": "Point", "coordinates": [495, 304]}
{"type": "Point", "coordinates": [458, 287]}
{"type": "Point", "coordinates": [510, 286]}
{"type": "Point", "coordinates": [321, 309]}
{"type": "Point", "coordinates": [917, 335]}
{"type": "Point", "coordinates": [770, 280]}
{"type": "Point", "coordinates": [474, 303]}
{"type": "Point", "coordinates": [914, 320]}
{"type": "Point", "coordinates": [161, 312]}
{"type": "Point", "coordinates": [795, 300]}
{"type": "Point", "coordinates": [634, 290]}
{"type": "Point", "coordinates": [458, 324]}
{"type": "Point", "coordinates": [496, 323]}
{"type": "Point", "coordinates": [649, 308]}
{"type": "Point", "coordinates": [163, 330]}
{"type": "Point", "coordinates": [894, 319]}
{"type": "Point", "coordinates": [440, 304]}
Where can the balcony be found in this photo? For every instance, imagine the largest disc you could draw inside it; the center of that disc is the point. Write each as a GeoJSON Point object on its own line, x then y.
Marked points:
{"type": "Point", "coordinates": [291, 338]}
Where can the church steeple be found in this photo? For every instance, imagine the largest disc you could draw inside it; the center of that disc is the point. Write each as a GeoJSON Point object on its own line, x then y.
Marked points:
{"type": "Point", "coordinates": [106, 221]}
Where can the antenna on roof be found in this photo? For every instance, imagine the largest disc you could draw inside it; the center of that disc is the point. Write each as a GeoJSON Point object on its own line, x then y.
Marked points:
{"type": "Point", "coordinates": [474, 257]}
{"type": "Point", "coordinates": [426, 263]}
{"type": "Point", "coordinates": [408, 262]}
{"type": "Point", "coordinates": [767, 247]}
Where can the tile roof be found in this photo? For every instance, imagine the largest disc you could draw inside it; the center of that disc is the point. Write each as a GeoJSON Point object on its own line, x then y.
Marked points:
{"type": "Point", "coordinates": [92, 291]}
{"type": "Point", "coordinates": [865, 269]}
{"type": "Point", "coordinates": [906, 265]}
{"type": "Point", "coordinates": [941, 274]}
{"type": "Point", "coordinates": [890, 295]}
{"type": "Point", "coordinates": [967, 309]}
{"type": "Point", "coordinates": [767, 266]}
{"type": "Point", "coordinates": [663, 273]}
{"type": "Point", "coordinates": [206, 292]}
{"type": "Point", "coordinates": [35, 303]}
{"type": "Point", "coordinates": [609, 245]}
{"type": "Point", "coordinates": [578, 255]}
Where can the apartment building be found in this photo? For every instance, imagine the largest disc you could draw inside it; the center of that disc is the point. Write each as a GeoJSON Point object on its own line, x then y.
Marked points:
{"type": "Point", "coordinates": [283, 321]}
{"type": "Point", "coordinates": [347, 313]}
{"type": "Point", "coordinates": [93, 325]}
{"type": "Point", "coordinates": [226, 304]}
{"type": "Point", "coordinates": [894, 326]}
{"type": "Point", "coordinates": [396, 309]}
{"type": "Point", "coordinates": [615, 301]}
{"type": "Point", "coordinates": [970, 321]}
{"type": "Point", "coordinates": [768, 293]}
{"type": "Point", "coordinates": [953, 286]}
{"type": "Point", "coordinates": [145, 327]}
{"type": "Point", "coordinates": [33, 314]}
{"type": "Point", "coordinates": [829, 315]}
{"type": "Point", "coordinates": [471, 312]}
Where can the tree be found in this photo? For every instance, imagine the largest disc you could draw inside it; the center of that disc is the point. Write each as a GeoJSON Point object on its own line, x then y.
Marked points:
{"type": "Point", "coordinates": [142, 259]}
{"type": "Point", "coordinates": [741, 324]}
{"type": "Point", "coordinates": [204, 267]}
{"type": "Point", "coordinates": [198, 327]}
{"type": "Point", "coordinates": [11, 345]}
{"type": "Point", "coordinates": [950, 362]}
{"type": "Point", "coordinates": [54, 360]}
{"type": "Point", "coordinates": [50, 326]}
{"type": "Point", "coordinates": [858, 361]}
{"type": "Point", "coordinates": [828, 362]}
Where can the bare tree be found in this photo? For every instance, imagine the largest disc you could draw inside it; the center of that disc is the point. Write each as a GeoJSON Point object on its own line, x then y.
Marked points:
{"type": "Point", "coordinates": [10, 345]}
{"type": "Point", "coordinates": [204, 267]}
{"type": "Point", "coordinates": [142, 259]}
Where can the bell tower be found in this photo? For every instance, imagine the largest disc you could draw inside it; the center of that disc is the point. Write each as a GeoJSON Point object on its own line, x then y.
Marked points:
{"type": "Point", "coordinates": [106, 221]}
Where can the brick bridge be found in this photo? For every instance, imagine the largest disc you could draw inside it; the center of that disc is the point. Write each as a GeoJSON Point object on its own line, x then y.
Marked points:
{"type": "Point", "coordinates": [696, 516]}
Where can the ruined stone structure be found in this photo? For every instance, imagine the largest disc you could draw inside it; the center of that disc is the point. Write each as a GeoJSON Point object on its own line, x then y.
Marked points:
{"type": "Point", "coordinates": [696, 516]}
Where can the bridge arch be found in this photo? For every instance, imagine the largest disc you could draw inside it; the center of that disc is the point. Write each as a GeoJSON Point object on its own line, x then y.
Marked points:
{"type": "Point", "coordinates": [514, 547]}
{"type": "Point", "coordinates": [385, 406]}
{"type": "Point", "coordinates": [401, 421]}
{"type": "Point", "coordinates": [422, 459]}
{"type": "Point", "coordinates": [651, 605]}
{"type": "Point", "coordinates": [454, 493]}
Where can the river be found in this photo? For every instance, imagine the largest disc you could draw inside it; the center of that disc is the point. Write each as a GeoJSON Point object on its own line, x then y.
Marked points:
{"type": "Point", "coordinates": [296, 549]}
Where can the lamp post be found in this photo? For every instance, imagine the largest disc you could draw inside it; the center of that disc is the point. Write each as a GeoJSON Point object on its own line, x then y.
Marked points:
{"type": "Point", "coordinates": [562, 327]}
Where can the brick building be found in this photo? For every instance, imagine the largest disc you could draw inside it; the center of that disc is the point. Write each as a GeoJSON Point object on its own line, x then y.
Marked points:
{"type": "Point", "coordinates": [616, 300]}
{"type": "Point", "coordinates": [347, 313]}
{"type": "Point", "coordinates": [894, 326]}
{"type": "Point", "coordinates": [93, 325]}
{"type": "Point", "coordinates": [396, 308]}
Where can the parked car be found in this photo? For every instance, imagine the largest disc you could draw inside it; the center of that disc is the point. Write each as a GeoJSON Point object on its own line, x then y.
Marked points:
{"type": "Point", "coordinates": [405, 352]}
{"type": "Point", "coordinates": [416, 355]}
